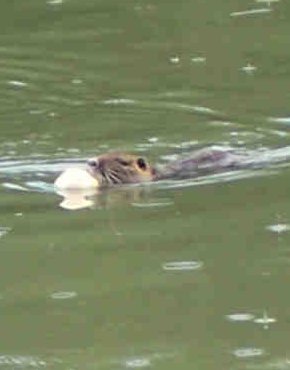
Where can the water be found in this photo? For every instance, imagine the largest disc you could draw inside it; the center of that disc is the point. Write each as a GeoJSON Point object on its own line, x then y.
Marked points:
{"type": "Point", "coordinates": [189, 274]}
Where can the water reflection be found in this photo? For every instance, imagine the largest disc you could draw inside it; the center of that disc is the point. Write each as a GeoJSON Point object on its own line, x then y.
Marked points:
{"type": "Point", "coordinates": [77, 199]}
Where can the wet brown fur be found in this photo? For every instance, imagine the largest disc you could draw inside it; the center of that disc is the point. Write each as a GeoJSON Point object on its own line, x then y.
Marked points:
{"type": "Point", "coordinates": [122, 168]}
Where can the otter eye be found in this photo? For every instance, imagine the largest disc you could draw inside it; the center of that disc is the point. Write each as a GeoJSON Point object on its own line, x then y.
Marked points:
{"type": "Point", "coordinates": [142, 163]}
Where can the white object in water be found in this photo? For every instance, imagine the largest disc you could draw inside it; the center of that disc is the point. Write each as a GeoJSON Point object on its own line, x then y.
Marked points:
{"type": "Point", "coordinates": [75, 178]}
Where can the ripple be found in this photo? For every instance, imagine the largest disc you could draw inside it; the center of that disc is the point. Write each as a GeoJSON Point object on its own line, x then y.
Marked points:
{"type": "Point", "coordinates": [152, 204]}
{"type": "Point", "coordinates": [198, 59]}
{"type": "Point", "coordinates": [17, 83]}
{"type": "Point", "coordinates": [268, 2]}
{"type": "Point", "coordinates": [182, 265]}
{"type": "Point", "coordinates": [119, 101]}
{"type": "Point", "coordinates": [76, 81]}
{"type": "Point", "coordinates": [22, 361]}
{"type": "Point", "coordinates": [4, 230]}
{"type": "Point", "coordinates": [278, 228]}
{"type": "Point", "coordinates": [40, 186]}
{"type": "Point", "coordinates": [240, 317]}
{"type": "Point", "coordinates": [251, 12]}
{"type": "Point", "coordinates": [174, 59]}
{"type": "Point", "coordinates": [138, 362]}
{"type": "Point", "coordinates": [64, 295]}
{"type": "Point", "coordinates": [55, 2]}
{"type": "Point", "coordinates": [12, 186]}
{"type": "Point", "coordinates": [249, 69]}
{"type": "Point", "coordinates": [285, 120]}
{"type": "Point", "coordinates": [153, 139]}
{"type": "Point", "coordinates": [247, 352]}
{"type": "Point", "coordinates": [265, 320]}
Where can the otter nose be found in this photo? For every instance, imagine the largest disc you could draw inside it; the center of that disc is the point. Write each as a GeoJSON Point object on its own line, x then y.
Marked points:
{"type": "Point", "coordinates": [93, 162]}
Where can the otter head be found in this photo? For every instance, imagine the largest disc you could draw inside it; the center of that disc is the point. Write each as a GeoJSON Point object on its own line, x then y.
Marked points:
{"type": "Point", "coordinates": [120, 168]}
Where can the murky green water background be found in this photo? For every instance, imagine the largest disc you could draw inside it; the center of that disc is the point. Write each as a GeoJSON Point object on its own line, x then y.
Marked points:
{"type": "Point", "coordinates": [190, 275]}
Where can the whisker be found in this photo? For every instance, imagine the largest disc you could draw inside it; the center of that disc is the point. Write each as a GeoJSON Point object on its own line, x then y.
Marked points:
{"type": "Point", "coordinates": [108, 179]}
{"type": "Point", "coordinates": [114, 173]}
{"type": "Point", "coordinates": [114, 177]}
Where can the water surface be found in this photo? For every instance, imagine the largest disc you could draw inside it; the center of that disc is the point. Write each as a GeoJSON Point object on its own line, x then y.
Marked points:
{"type": "Point", "coordinates": [189, 274]}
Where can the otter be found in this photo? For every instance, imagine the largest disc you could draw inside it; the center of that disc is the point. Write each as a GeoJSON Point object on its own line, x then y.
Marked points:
{"type": "Point", "coordinates": [122, 168]}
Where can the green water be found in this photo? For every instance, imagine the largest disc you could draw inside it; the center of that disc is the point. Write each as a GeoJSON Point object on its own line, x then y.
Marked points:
{"type": "Point", "coordinates": [180, 275]}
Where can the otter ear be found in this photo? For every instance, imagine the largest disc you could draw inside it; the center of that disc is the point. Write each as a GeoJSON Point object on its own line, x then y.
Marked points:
{"type": "Point", "coordinates": [142, 163]}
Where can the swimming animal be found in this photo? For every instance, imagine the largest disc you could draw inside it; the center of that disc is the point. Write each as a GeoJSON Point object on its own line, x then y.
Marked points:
{"type": "Point", "coordinates": [122, 168]}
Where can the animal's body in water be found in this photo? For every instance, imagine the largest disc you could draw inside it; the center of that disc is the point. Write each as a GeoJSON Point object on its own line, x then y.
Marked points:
{"type": "Point", "coordinates": [117, 168]}
{"type": "Point", "coordinates": [123, 168]}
